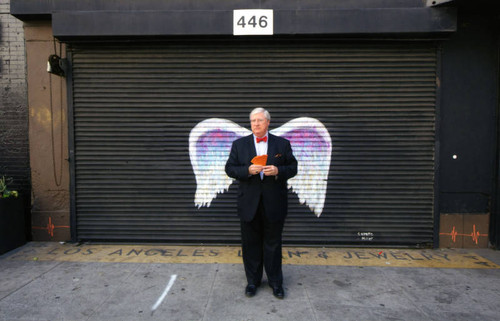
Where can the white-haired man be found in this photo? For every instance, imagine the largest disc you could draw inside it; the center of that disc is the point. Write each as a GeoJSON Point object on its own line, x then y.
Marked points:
{"type": "Point", "coordinates": [262, 200]}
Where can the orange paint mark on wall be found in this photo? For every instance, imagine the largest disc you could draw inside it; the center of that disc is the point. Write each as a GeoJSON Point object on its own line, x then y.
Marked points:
{"type": "Point", "coordinates": [474, 234]}
{"type": "Point", "coordinates": [50, 227]}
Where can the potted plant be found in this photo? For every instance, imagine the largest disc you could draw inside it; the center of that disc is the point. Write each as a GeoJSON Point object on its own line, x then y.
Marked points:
{"type": "Point", "coordinates": [12, 227]}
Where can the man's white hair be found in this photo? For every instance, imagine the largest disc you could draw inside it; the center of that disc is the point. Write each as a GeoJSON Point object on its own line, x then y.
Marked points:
{"type": "Point", "coordinates": [259, 110]}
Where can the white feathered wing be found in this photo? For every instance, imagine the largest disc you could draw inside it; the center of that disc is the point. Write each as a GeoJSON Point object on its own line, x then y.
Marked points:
{"type": "Point", "coordinates": [209, 147]}
{"type": "Point", "coordinates": [312, 146]}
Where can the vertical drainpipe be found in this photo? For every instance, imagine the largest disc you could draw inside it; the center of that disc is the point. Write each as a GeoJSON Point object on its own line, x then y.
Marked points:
{"type": "Point", "coordinates": [437, 147]}
{"type": "Point", "coordinates": [495, 209]}
{"type": "Point", "coordinates": [71, 144]}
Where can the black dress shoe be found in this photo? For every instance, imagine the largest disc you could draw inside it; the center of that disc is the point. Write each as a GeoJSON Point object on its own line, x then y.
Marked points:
{"type": "Point", "coordinates": [278, 291]}
{"type": "Point", "coordinates": [250, 290]}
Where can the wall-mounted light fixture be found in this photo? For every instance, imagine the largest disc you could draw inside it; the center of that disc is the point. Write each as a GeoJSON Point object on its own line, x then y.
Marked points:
{"type": "Point", "coordinates": [56, 65]}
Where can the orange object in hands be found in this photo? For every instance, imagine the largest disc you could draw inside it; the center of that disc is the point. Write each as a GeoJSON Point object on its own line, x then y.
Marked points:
{"type": "Point", "coordinates": [259, 160]}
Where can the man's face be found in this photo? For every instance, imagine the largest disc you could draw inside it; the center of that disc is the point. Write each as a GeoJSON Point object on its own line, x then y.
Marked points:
{"type": "Point", "coordinates": [260, 124]}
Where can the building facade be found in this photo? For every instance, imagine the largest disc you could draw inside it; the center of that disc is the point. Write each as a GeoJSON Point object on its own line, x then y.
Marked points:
{"type": "Point", "coordinates": [391, 108]}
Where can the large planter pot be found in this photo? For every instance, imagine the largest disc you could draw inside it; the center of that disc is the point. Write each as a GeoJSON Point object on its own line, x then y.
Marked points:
{"type": "Point", "coordinates": [12, 225]}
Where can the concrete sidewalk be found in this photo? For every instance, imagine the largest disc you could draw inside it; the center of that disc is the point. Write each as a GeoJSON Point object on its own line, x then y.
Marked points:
{"type": "Point", "coordinates": [36, 289]}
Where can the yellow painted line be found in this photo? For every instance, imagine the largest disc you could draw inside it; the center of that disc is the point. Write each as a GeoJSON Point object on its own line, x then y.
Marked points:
{"type": "Point", "coordinates": [440, 258]}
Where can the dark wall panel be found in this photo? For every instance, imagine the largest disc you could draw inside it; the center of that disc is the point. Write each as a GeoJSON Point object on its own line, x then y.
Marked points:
{"type": "Point", "coordinates": [468, 115]}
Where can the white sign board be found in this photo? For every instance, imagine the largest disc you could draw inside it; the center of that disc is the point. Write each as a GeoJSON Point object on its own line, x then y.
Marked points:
{"type": "Point", "coordinates": [253, 22]}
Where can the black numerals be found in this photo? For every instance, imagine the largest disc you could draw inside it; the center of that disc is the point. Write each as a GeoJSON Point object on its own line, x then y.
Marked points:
{"type": "Point", "coordinates": [261, 22]}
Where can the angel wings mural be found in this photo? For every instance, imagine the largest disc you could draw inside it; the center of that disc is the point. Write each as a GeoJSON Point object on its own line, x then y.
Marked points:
{"type": "Point", "coordinates": [210, 144]}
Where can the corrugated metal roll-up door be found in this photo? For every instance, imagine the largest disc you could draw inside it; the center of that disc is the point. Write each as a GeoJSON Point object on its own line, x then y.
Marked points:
{"type": "Point", "coordinates": [135, 105]}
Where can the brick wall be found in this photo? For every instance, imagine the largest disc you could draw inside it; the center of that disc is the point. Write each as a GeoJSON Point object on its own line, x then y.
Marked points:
{"type": "Point", "coordinates": [14, 149]}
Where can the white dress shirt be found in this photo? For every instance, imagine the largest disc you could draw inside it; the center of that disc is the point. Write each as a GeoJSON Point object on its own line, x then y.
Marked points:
{"type": "Point", "coordinates": [261, 149]}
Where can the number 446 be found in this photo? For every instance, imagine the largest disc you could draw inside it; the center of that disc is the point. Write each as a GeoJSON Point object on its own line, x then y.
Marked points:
{"type": "Point", "coordinates": [262, 23]}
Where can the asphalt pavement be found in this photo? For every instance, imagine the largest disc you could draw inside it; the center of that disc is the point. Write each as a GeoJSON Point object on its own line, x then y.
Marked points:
{"type": "Point", "coordinates": [45, 281]}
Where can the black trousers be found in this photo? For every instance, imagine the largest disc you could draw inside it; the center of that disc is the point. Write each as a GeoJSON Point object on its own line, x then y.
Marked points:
{"type": "Point", "coordinates": [261, 247]}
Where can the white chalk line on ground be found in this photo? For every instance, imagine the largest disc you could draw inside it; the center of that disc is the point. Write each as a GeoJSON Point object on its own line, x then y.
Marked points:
{"type": "Point", "coordinates": [164, 294]}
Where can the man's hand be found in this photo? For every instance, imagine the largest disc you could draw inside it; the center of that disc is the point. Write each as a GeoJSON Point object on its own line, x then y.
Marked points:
{"type": "Point", "coordinates": [255, 169]}
{"type": "Point", "coordinates": [270, 170]}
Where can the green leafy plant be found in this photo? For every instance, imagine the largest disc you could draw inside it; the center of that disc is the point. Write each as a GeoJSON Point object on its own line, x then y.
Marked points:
{"type": "Point", "coordinates": [4, 191]}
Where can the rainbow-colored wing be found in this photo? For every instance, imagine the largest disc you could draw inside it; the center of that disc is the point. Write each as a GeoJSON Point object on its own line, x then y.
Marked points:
{"type": "Point", "coordinates": [209, 147]}
{"type": "Point", "coordinates": [312, 147]}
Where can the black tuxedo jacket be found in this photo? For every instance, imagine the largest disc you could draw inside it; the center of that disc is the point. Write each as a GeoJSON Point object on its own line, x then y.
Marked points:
{"type": "Point", "coordinates": [272, 189]}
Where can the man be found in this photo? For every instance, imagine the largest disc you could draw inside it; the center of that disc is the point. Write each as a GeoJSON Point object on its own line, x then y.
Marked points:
{"type": "Point", "coordinates": [262, 200]}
